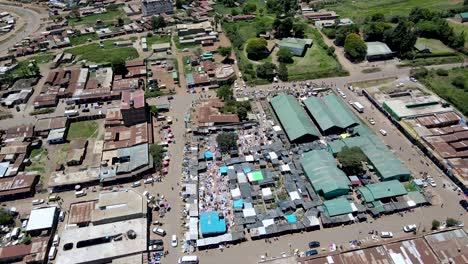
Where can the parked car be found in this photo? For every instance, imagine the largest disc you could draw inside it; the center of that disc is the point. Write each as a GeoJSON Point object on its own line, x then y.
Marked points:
{"type": "Point", "coordinates": [432, 182]}
{"type": "Point", "coordinates": [311, 252]}
{"type": "Point", "coordinates": [464, 204]}
{"type": "Point", "coordinates": [37, 201]}
{"type": "Point", "coordinates": [159, 231]}
{"type": "Point", "coordinates": [53, 198]}
{"type": "Point", "coordinates": [413, 79]}
{"type": "Point", "coordinates": [80, 193]}
{"type": "Point", "coordinates": [409, 228]}
{"type": "Point", "coordinates": [371, 121]}
{"type": "Point", "coordinates": [383, 132]}
{"type": "Point", "coordinates": [314, 244]}
{"type": "Point", "coordinates": [148, 181]}
{"type": "Point", "coordinates": [62, 216]}
{"type": "Point", "coordinates": [386, 234]}
{"type": "Point", "coordinates": [136, 184]}
{"type": "Point", "coordinates": [174, 241]}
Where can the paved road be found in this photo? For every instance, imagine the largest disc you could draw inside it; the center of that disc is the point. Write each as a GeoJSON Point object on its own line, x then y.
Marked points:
{"type": "Point", "coordinates": [33, 23]}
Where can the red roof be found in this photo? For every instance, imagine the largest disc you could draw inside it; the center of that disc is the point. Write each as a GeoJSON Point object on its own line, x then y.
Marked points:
{"type": "Point", "coordinates": [137, 98]}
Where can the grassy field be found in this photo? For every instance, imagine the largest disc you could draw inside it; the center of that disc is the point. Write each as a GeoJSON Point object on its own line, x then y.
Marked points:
{"type": "Point", "coordinates": [358, 10]}
{"type": "Point", "coordinates": [316, 62]}
{"type": "Point", "coordinates": [78, 40]}
{"type": "Point", "coordinates": [83, 129]}
{"type": "Point", "coordinates": [107, 17]}
{"type": "Point", "coordinates": [187, 67]}
{"type": "Point", "coordinates": [38, 160]}
{"type": "Point", "coordinates": [157, 40]}
{"type": "Point", "coordinates": [457, 27]}
{"type": "Point", "coordinates": [220, 8]}
{"type": "Point", "coordinates": [442, 85]}
{"type": "Point", "coordinates": [435, 45]}
{"type": "Point", "coordinates": [109, 53]}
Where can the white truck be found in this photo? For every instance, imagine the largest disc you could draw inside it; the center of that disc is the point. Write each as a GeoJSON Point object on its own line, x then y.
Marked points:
{"type": "Point", "coordinates": [358, 107]}
{"type": "Point", "coordinates": [70, 113]}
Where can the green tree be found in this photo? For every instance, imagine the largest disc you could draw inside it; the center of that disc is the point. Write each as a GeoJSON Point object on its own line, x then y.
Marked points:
{"type": "Point", "coordinates": [285, 55]}
{"type": "Point", "coordinates": [266, 71]}
{"type": "Point", "coordinates": [402, 38]}
{"type": "Point", "coordinates": [225, 51]}
{"type": "Point", "coordinates": [227, 141]}
{"type": "Point", "coordinates": [157, 152]}
{"type": "Point", "coordinates": [241, 112]}
{"type": "Point", "coordinates": [257, 49]}
{"type": "Point", "coordinates": [283, 72]}
{"type": "Point", "coordinates": [225, 93]}
{"type": "Point", "coordinates": [355, 48]}
{"type": "Point", "coordinates": [5, 217]}
{"type": "Point", "coordinates": [234, 12]}
{"type": "Point", "coordinates": [249, 8]}
{"type": "Point", "coordinates": [158, 22]}
{"type": "Point", "coordinates": [120, 22]}
{"type": "Point", "coordinates": [451, 222]}
{"type": "Point", "coordinates": [351, 159]}
{"type": "Point", "coordinates": [375, 31]}
{"type": "Point", "coordinates": [154, 110]}
{"type": "Point", "coordinates": [343, 32]}
{"type": "Point", "coordinates": [299, 30]}
{"type": "Point", "coordinates": [435, 224]}
{"type": "Point", "coordinates": [377, 17]}
{"type": "Point", "coordinates": [228, 3]}
{"type": "Point", "coordinates": [283, 27]}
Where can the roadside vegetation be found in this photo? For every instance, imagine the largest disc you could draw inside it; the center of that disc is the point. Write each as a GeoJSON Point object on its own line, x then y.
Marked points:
{"type": "Point", "coordinates": [452, 85]}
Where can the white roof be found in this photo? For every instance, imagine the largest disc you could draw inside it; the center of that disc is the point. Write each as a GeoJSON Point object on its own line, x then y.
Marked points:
{"type": "Point", "coordinates": [285, 167]}
{"type": "Point", "coordinates": [314, 221]}
{"type": "Point", "coordinates": [268, 222]}
{"type": "Point", "coordinates": [249, 212]}
{"type": "Point", "coordinates": [241, 178]}
{"type": "Point", "coordinates": [41, 218]}
{"type": "Point", "coordinates": [266, 192]}
{"type": "Point", "coordinates": [294, 196]}
{"type": "Point", "coordinates": [273, 155]}
{"type": "Point", "coordinates": [235, 193]}
{"type": "Point", "coordinates": [249, 158]}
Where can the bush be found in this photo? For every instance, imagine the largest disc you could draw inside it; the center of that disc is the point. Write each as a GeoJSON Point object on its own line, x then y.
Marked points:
{"type": "Point", "coordinates": [442, 72]}
{"type": "Point", "coordinates": [451, 222]}
{"type": "Point", "coordinates": [257, 49]}
{"type": "Point", "coordinates": [435, 224]}
{"type": "Point", "coordinates": [460, 82]}
{"type": "Point", "coordinates": [285, 55]}
{"type": "Point", "coordinates": [329, 32]}
{"type": "Point", "coordinates": [5, 217]}
{"type": "Point", "coordinates": [419, 72]}
{"type": "Point", "coordinates": [283, 72]}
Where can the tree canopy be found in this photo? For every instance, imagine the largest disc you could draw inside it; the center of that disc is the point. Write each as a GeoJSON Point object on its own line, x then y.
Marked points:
{"type": "Point", "coordinates": [257, 48]}
{"type": "Point", "coordinates": [225, 51]}
{"type": "Point", "coordinates": [285, 55]}
{"type": "Point", "coordinates": [158, 22]}
{"type": "Point", "coordinates": [249, 8]}
{"type": "Point", "coordinates": [343, 32]}
{"type": "Point", "coordinates": [266, 71]}
{"type": "Point", "coordinates": [157, 151]}
{"type": "Point", "coordinates": [283, 72]}
{"type": "Point", "coordinates": [227, 141]}
{"type": "Point", "coordinates": [5, 217]}
{"type": "Point", "coordinates": [351, 159]}
{"type": "Point", "coordinates": [355, 48]}
{"type": "Point", "coordinates": [402, 38]}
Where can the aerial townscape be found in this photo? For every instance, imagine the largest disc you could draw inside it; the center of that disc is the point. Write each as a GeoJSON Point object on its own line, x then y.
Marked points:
{"type": "Point", "coordinates": [234, 131]}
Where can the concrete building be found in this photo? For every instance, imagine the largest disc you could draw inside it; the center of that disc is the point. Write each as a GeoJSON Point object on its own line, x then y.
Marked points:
{"type": "Point", "coordinates": [378, 51]}
{"type": "Point", "coordinates": [156, 7]}
{"type": "Point", "coordinates": [133, 107]}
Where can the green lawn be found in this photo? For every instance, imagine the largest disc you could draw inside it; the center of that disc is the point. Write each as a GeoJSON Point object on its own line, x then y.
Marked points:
{"type": "Point", "coordinates": [110, 16]}
{"type": "Point", "coordinates": [187, 67]}
{"type": "Point", "coordinates": [358, 10]}
{"type": "Point", "coordinates": [109, 53]}
{"type": "Point", "coordinates": [435, 45]}
{"type": "Point", "coordinates": [442, 85]}
{"type": "Point", "coordinates": [77, 40]}
{"type": "Point", "coordinates": [157, 40]}
{"type": "Point", "coordinates": [220, 8]}
{"type": "Point", "coordinates": [316, 63]}
{"type": "Point", "coordinates": [38, 160]}
{"type": "Point", "coordinates": [83, 129]}
{"type": "Point", "coordinates": [457, 27]}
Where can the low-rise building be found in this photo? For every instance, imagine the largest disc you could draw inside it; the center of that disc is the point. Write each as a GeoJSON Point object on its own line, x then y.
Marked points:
{"type": "Point", "coordinates": [156, 7]}
{"type": "Point", "coordinates": [295, 45]}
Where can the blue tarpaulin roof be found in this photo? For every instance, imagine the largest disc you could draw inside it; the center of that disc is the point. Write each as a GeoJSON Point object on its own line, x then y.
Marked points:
{"type": "Point", "coordinates": [247, 170]}
{"type": "Point", "coordinates": [208, 155]}
{"type": "Point", "coordinates": [291, 218]}
{"type": "Point", "coordinates": [210, 224]}
{"type": "Point", "coordinates": [223, 170]}
{"type": "Point", "coordinates": [238, 203]}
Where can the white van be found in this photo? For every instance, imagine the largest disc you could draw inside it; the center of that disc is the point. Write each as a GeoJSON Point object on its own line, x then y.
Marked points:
{"type": "Point", "coordinates": [80, 193]}
{"type": "Point", "coordinates": [52, 253]}
{"type": "Point", "coordinates": [188, 260]}
{"type": "Point", "coordinates": [56, 241]}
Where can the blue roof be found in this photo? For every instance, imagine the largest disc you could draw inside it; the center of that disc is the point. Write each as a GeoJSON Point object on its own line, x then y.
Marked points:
{"type": "Point", "coordinates": [3, 168]}
{"type": "Point", "coordinates": [247, 170]}
{"type": "Point", "coordinates": [189, 79]}
{"type": "Point", "coordinates": [238, 203]}
{"type": "Point", "coordinates": [223, 170]}
{"type": "Point", "coordinates": [208, 155]}
{"type": "Point", "coordinates": [291, 218]}
{"type": "Point", "coordinates": [210, 224]}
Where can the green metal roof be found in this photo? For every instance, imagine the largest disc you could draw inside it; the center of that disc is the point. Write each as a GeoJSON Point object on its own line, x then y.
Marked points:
{"type": "Point", "coordinates": [329, 112]}
{"type": "Point", "coordinates": [292, 116]}
{"type": "Point", "coordinates": [323, 173]}
{"type": "Point", "coordinates": [381, 190]}
{"type": "Point", "coordinates": [338, 206]}
{"type": "Point", "coordinates": [417, 197]}
{"type": "Point", "coordinates": [294, 43]}
{"type": "Point", "coordinates": [464, 15]}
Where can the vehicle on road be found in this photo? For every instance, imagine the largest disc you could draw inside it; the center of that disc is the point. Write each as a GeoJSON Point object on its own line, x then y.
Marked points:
{"type": "Point", "coordinates": [156, 244]}
{"type": "Point", "coordinates": [311, 252]}
{"type": "Point", "coordinates": [62, 216]}
{"type": "Point", "coordinates": [71, 113]}
{"type": "Point", "coordinates": [37, 201]}
{"type": "Point", "coordinates": [188, 260]}
{"type": "Point", "coordinates": [148, 181]}
{"type": "Point", "coordinates": [53, 198]}
{"type": "Point", "coordinates": [174, 241]}
{"type": "Point", "coordinates": [80, 193]}
{"type": "Point", "coordinates": [383, 132]}
{"type": "Point", "coordinates": [409, 228]}
{"type": "Point", "coordinates": [413, 79]}
{"type": "Point", "coordinates": [371, 121]}
{"type": "Point", "coordinates": [136, 184]}
{"type": "Point", "coordinates": [56, 241]}
{"type": "Point", "coordinates": [52, 253]}
{"type": "Point", "coordinates": [464, 204]}
{"type": "Point", "coordinates": [159, 231]}
{"type": "Point", "coordinates": [314, 244]}
{"type": "Point", "coordinates": [358, 106]}
{"type": "Point", "coordinates": [386, 234]}
{"type": "Point", "coordinates": [432, 183]}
